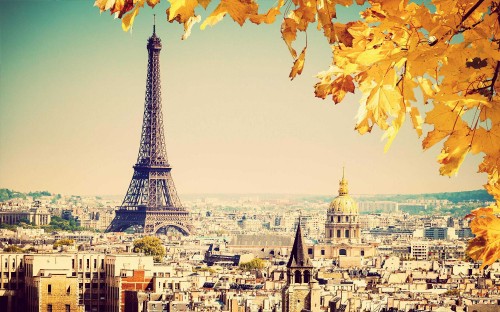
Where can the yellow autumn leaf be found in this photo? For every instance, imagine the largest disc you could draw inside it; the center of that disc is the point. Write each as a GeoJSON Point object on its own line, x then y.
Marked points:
{"type": "Point", "coordinates": [181, 10]}
{"type": "Point", "coordinates": [485, 246]}
{"type": "Point", "coordinates": [128, 20]}
{"type": "Point", "coordinates": [289, 34]}
{"type": "Point", "coordinates": [270, 16]}
{"type": "Point", "coordinates": [188, 25]}
{"type": "Point", "coordinates": [416, 120]}
{"type": "Point", "coordinates": [238, 10]}
{"type": "Point", "coordinates": [298, 65]}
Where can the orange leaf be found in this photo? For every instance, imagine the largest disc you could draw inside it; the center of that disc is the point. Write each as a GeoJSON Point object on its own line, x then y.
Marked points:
{"type": "Point", "coordinates": [298, 65]}
{"type": "Point", "coordinates": [341, 86]}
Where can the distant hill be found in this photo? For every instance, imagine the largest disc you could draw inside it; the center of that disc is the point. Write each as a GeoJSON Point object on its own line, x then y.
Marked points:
{"type": "Point", "coordinates": [454, 197]}
{"type": "Point", "coordinates": [6, 194]}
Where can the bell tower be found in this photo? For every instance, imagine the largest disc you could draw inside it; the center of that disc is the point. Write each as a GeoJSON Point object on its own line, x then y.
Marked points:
{"type": "Point", "coordinates": [301, 291]}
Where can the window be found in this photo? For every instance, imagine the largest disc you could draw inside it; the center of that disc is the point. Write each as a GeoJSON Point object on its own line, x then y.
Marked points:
{"type": "Point", "coordinates": [309, 251]}
{"type": "Point", "coordinates": [322, 252]}
{"type": "Point", "coordinates": [338, 233]}
{"type": "Point", "coordinates": [88, 263]}
{"type": "Point", "coordinates": [307, 276]}
{"type": "Point", "coordinates": [331, 233]}
{"type": "Point", "coordinates": [73, 263]}
{"type": "Point", "coordinates": [298, 277]}
{"type": "Point", "coordinates": [346, 233]}
{"type": "Point", "coordinates": [338, 219]}
{"type": "Point", "coordinates": [49, 289]}
{"type": "Point", "coordinates": [343, 252]}
{"type": "Point", "coordinates": [347, 219]}
{"type": "Point", "coordinates": [68, 290]}
{"type": "Point", "coordinates": [68, 308]}
{"type": "Point", "coordinates": [95, 263]}
{"type": "Point", "coordinates": [49, 308]}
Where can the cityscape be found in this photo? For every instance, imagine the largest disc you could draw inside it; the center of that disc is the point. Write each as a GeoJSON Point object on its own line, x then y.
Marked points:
{"type": "Point", "coordinates": [158, 249]}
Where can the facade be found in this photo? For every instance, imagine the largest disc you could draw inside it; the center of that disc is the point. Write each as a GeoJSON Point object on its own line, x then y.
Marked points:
{"type": "Point", "coordinates": [302, 291]}
{"type": "Point", "coordinates": [36, 216]}
{"type": "Point", "coordinates": [444, 233]}
{"type": "Point", "coordinates": [12, 282]}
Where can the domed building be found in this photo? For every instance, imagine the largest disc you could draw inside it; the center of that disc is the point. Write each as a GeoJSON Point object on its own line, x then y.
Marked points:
{"type": "Point", "coordinates": [342, 241]}
{"type": "Point", "coordinates": [342, 219]}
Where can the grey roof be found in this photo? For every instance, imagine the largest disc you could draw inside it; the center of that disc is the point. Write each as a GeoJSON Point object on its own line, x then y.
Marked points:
{"type": "Point", "coordinates": [261, 240]}
{"type": "Point", "coordinates": [298, 256]}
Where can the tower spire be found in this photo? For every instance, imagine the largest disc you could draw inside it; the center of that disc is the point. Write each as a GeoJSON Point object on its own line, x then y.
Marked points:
{"type": "Point", "coordinates": [343, 189]}
{"type": "Point", "coordinates": [154, 24]}
{"type": "Point", "coordinates": [298, 256]}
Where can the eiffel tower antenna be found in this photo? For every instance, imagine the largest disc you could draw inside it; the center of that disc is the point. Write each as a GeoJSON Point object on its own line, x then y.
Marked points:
{"type": "Point", "coordinates": [151, 203]}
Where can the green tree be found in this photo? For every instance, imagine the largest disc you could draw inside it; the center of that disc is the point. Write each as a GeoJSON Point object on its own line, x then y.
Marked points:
{"type": "Point", "coordinates": [254, 264]}
{"type": "Point", "coordinates": [150, 246]}
{"type": "Point", "coordinates": [63, 242]}
{"type": "Point", "coordinates": [13, 248]}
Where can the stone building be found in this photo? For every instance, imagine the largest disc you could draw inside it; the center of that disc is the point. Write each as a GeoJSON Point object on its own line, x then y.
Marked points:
{"type": "Point", "coordinates": [12, 282]}
{"type": "Point", "coordinates": [50, 284]}
{"type": "Point", "coordinates": [302, 291]}
{"type": "Point", "coordinates": [342, 222]}
{"type": "Point", "coordinates": [342, 232]}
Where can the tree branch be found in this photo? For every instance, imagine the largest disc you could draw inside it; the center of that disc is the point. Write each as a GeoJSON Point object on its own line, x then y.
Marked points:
{"type": "Point", "coordinates": [494, 79]}
{"type": "Point", "coordinates": [471, 10]}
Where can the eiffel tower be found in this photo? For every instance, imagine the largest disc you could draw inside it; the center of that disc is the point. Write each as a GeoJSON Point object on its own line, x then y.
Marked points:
{"type": "Point", "coordinates": [151, 203]}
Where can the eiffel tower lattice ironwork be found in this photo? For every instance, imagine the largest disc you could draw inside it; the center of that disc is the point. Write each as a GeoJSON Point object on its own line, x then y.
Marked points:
{"type": "Point", "coordinates": [151, 202]}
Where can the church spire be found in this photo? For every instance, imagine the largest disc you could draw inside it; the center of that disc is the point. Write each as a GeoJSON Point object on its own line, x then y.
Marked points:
{"type": "Point", "coordinates": [298, 256]}
{"type": "Point", "coordinates": [343, 189]}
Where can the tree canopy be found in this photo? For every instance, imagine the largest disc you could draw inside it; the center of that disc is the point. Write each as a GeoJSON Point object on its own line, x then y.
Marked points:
{"type": "Point", "coordinates": [254, 264]}
{"type": "Point", "coordinates": [150, 246]}
{"type": "Point", "coordinates": [405, 58]}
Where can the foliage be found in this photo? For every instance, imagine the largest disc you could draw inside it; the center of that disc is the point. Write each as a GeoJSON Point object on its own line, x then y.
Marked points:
{"type": "Point", "coordinates": [63, 242]}
{"type": "Point", "coordinates": [6, 194]}
{"type": "Point", "coordinates": [254, 264]}
{"type": "Point", "coordinates": [204, 269]}
{"type": "Point", "coordinates": [446, 52]}
{"type": "Point", "coordinates": [39, 194]}
{"type": "Point", "coordinates": [8, 226]}
{"type": "Point", "coordinates": [13, 248]}
{"type": "Point", "coordinates": [454, 197]}
{"type": "Point", "coordinates": [151, 246]}
{"type": "Point", "coordinates": [58, 223]}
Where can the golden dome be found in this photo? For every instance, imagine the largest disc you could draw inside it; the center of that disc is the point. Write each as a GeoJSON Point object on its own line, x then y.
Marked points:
{"type": "Point", "coordinates": [343, 204]}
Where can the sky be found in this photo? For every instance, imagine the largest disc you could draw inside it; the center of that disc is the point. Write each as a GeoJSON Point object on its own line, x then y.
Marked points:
{"type": "Point", "coordinates": [72, 88]}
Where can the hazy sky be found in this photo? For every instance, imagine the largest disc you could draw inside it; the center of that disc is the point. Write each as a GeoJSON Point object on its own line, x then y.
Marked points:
{"type": "Point", "coordinates": [72, 87]}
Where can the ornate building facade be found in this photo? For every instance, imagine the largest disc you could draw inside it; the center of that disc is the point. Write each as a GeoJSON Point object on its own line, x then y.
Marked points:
{"type": "Point", "coordinates": [342, 241]}
{"type": "Point", "coordinates": [302, 291]}
{"type": "Point", "coordinates": [342, 221]}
